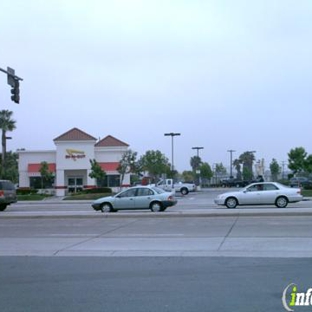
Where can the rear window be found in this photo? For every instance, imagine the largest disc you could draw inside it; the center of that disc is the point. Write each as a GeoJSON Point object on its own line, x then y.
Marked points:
{"type": "Point", "coordinates": [7, 185]}
{"type": "Point", "coordinates": [158, 190]}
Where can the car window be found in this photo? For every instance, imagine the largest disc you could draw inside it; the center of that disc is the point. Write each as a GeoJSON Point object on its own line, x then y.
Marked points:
{"type": "Point", "coordinates": [270, 187]}
{"type": "Point", "coordinates": [8, 186]}
{"type": "Point", "coordinates": [158, 190]}
{"type": "Point", "coordinates": [255, 188]}
{"type": "Point", "coordinates": [144, 192]}
{"type": "Point", "coordinates": [128, 193]}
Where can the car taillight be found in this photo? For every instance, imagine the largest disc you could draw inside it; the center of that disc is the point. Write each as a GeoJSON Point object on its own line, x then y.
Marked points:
{"type": "Point", "coordinates": [170, 198]}
{"type": "Point", "coordinates": [1, 193]}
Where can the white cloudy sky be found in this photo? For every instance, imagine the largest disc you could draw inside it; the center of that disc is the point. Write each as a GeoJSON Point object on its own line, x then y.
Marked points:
{"type": "Point", "coordinates": [225, 74]}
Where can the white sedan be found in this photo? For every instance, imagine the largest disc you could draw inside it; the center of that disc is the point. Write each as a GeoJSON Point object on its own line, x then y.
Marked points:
{"type": "Point", "coordinates": [264, 193]}
{"type": "Point", "coordinates": [138, 197]}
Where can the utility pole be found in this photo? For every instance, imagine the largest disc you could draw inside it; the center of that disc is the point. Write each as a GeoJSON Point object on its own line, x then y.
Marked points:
{"type": "Point", "coordinates": [231, 161]}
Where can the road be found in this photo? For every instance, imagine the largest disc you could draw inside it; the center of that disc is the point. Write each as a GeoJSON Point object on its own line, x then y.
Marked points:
{"type": "Point", "coordinates": [152, 284]}
{"type": "Point", "coordinates": [57, 256]}
{"type": "Point", "coordinates": [132, 235]}
{"type": "Point", "coordinates": [198, 203]}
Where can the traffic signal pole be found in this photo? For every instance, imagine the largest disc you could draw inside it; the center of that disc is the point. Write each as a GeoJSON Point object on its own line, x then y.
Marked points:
{"type": "Point", "coordinates": [13, 81]}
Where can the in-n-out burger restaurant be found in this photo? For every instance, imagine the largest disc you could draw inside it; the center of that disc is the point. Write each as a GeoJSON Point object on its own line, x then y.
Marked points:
{"type": "Point", "coordinates": [70, 162]}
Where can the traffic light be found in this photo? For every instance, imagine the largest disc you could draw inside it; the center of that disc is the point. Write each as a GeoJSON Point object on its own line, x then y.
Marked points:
{"type": "Point", "coordinates": [15, 91]}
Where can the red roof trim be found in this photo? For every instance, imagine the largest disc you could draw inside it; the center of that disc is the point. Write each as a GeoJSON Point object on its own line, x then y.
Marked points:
{"type": "Point", "coordinates": [75, 134]}
{"type": "Point", "coordinates": [36, 167]}
{"type": "Point", "coordinates": [110, 141]}
{"type": "Point", "coordinates": [109, 166]}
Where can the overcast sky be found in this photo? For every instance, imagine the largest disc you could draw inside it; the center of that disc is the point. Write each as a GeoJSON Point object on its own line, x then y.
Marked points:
{"type": "Point", "coordinates": [225, 74]}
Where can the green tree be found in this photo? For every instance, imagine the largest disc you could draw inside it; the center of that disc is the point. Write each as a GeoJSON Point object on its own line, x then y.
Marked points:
{"type": "Point", "coordinates": [128, 164]}
{"type": "Point", "coordinates": [46, 175]}
{"type": "Point", "coordinates": [237, 165]}
{"type": "Point", "coordinates": [155, 163]}
{"type": "Point", "coordinates": [275, 169]}
{"type": "Point", "coordinates": [220, 170]}
{"type": "Point", "coordinates": [247, 159]}
{"type": "Point", "coordinates": [297, 160]}
{"type": "Point", "coordinates": [308, 164]}
{"type": "Point", "coordinates": [188, 175]}
{"type": "Point", "coordinates": [6, 124]}
{"type": "Point", "coordinates": [195, 163]}
{"type": "Point", "coordinates": [11, 167]}
{"type": "Point", "coordinates": [205, 172]}
{"type": "Point", "coordinates": [247, 174]}
{"type": "Point", "coordinates": [97, 172]}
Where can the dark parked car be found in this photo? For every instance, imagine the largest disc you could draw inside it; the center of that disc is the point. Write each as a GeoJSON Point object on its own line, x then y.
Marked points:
{"type": "Point", "coordinates": [7, 194]}
{"type": "Point", "coordinates": [300, 182]}
{"type": "Point", "coordinates": [230, 182]}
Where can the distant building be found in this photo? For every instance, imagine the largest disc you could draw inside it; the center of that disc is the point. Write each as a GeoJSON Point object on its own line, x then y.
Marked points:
{"type": "Point", "coordinates": [70, 162]}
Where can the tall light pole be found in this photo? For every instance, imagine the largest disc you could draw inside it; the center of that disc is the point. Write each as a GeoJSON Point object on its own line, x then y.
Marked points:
{"type": "Point", "coordinates": [172, 134]}
{"type": "Point", "coordinates": [197, 170]}
{"type": "Point", "coordinates": [197, 148]}
{"type": "Point", "coordinates": [231, 161]}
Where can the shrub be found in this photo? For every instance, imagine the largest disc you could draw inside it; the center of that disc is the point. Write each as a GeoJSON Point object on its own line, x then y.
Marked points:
{"type": "Point", "coordinates": [26, 191]}
{"type": "Point", "coordinates": [98, 190]}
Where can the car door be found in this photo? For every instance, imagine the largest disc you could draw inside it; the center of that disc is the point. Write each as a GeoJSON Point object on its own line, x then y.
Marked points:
{"type": "Point", "coordinates": [269, 194]}
{"type": "Point", "coordinates": [143, 198]}
{"type": "Point", "coordinates": [251, 195]}
{"type": "Point", "coordinates": [125, 200]}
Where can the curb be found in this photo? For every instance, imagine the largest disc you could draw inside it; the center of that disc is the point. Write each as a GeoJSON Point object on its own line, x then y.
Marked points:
{"type": "Point", "coordinates": [88, 215]}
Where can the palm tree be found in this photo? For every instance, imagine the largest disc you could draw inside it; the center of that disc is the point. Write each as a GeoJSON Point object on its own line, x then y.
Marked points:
{"type": "Point", "coordinates": [195, 162]}
{"type": "Point", "coordinates": [237, 165]}
{"type": "Point", "coordinates": [247, 159]}
{"type": "Point", "coordinates": [6, 124]}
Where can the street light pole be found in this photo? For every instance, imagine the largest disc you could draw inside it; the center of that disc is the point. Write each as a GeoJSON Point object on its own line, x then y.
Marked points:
{"type": "Point", "coordinates": [197, 148]}
{"type": "Point", "coordinates": [231, 162]}
{"type": "Point", "coordinates": [172, 134]}
{"type": "Point", "coordinates": [197, 170]}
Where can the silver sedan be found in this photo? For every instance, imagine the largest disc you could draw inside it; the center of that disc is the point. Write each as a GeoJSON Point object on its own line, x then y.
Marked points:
{"type": "Point", "coordinates": [265, 193]}
{"type": "Point", "coordinates": [140, 197]}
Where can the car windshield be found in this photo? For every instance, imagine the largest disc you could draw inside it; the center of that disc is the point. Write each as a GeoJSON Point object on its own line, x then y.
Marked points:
{"type": "Point", "coordinates": [158, 190]}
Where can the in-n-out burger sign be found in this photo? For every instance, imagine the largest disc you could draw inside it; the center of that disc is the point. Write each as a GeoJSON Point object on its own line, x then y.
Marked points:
{"type": "Point", "coordinates": [74, 154]}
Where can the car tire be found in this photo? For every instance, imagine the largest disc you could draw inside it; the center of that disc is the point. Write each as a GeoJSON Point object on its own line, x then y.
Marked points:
{"type": "Point", "coordinates": [3, 207]}
{"type": "Point", "coordinates": [281, 202]}
{"type": "Point", "coordinates": [231, 202]}
{"type": "Point", "coordinates": [156, 207]}
{"type": "Point", "coordinates": [106, 207]}
{"type": "Point", "coordinates": [184, 191]}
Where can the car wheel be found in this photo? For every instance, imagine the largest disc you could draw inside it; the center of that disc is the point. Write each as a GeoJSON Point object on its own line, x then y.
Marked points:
{"type": "Point", "coordinates": [2, 207]}
{"type": "Point", "coordinates": [231, 202]}
{"type": "Point", "coordinates": [281, 202]}
{"type": "Point", "coordinates": [184, 191]}
{"type": "Point", "coordinates": [106, 207]}
{"type": "Point", "coordinates": [156, 207]}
